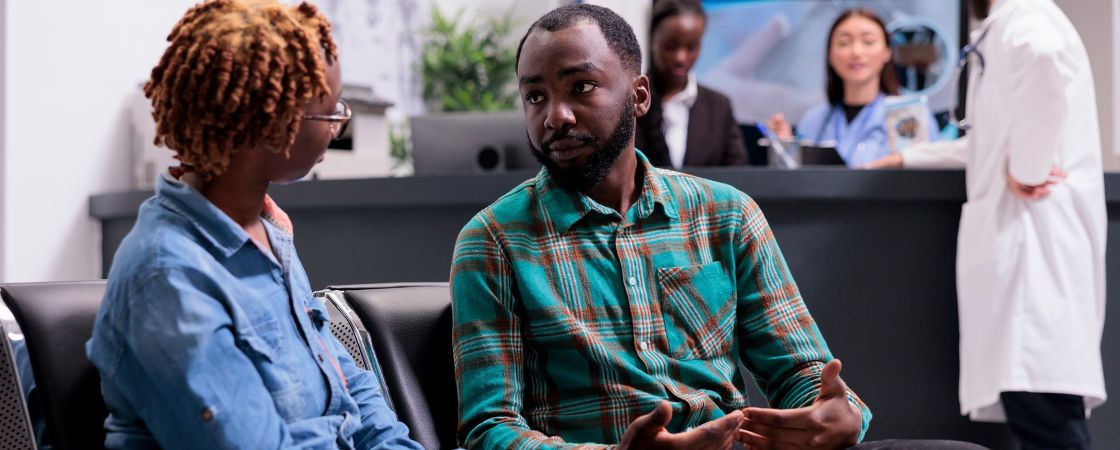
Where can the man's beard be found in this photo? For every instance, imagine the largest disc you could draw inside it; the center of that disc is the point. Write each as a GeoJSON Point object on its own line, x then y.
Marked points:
{"type": "Point", "coordinates": [591, 174]}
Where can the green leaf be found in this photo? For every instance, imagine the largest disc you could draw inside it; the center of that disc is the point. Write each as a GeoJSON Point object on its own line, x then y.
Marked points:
{"type": "Point", "coordinates": [466, 67]}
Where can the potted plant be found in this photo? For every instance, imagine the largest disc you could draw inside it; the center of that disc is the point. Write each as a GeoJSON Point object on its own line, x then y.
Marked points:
{"type": "Point", "coordinates": [468, 67]}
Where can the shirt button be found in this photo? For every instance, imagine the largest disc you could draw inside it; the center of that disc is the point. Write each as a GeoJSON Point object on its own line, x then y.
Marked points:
{"type": "Point", "coordinates": [207, 414]}
{"type": "Point", "coordinates": [633, 281]}
{"type": "Point", "coordinates": [321, 358]}
{"type": "Point", "coordinates": [643, 345]}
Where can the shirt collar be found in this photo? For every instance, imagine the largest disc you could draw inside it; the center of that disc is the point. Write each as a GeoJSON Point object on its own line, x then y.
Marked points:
{"type": "Point", "coordinates": [688, 95]}
{"type": "Point", "coordinates": [565, 208]}
{"type": "Point", "coordinates": [213, 223]}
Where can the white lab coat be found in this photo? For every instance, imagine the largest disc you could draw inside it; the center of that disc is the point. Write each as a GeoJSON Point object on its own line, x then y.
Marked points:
{"type": "Point", "coordinates": [1030, 274]}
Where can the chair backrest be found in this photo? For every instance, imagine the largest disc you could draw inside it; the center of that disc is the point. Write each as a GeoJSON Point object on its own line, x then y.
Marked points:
{"type": "Point", "coordinates": [410, 328]}
{"type": "Point", "coordinates": [57, 320]}
{"type": "Point", "coordinates": [16, 432]}
{"type": "Point", "coordinates": [348, 328]}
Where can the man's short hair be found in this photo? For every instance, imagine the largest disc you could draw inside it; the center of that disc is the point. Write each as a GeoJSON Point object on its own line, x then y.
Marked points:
{"type": "Point", "coordinates": [620, 37]}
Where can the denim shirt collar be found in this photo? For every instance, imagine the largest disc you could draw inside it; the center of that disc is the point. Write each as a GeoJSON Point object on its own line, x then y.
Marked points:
{"type": "Point", "coordinates": [567, 208]}
{"type": "Point", "coordinates": [212, 223]}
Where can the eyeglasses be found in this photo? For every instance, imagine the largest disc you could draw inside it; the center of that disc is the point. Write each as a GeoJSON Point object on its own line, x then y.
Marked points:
{"type": "Point", "coordinates": [970, 51]}
{"type": "Point", "coordinates": [339, 121]}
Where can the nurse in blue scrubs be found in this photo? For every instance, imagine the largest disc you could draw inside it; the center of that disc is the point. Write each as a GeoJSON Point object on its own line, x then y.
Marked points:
{"type": "Point", "coordinates": [861, 79]}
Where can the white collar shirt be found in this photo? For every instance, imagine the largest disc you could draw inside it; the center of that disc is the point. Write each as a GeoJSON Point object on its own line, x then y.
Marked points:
{"type": "Point", "coordinates": [674, 123]}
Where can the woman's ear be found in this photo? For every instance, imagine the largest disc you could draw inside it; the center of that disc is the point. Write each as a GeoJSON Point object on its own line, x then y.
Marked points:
{"type": "Point", "coordinates": [641, 95]}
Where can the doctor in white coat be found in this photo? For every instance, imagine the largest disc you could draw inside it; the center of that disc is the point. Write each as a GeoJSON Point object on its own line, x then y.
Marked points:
{"type": "Point", "coordinates": [1031, 243]}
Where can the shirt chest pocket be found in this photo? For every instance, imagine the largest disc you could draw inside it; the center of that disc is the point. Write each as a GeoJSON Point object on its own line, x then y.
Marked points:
{"type": "Point", "coordinates": [270, 336]}
{"type": "Point", "coordinates": [288, 373]}
{"type": "Point", "coordinates": [698, 309]}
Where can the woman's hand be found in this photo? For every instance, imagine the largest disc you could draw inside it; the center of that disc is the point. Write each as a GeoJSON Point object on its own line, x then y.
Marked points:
{"type": "Point", "coordinates": [780, 127]}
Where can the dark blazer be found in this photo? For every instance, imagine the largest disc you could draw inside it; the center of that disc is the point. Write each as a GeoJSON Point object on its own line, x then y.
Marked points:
{"type": "Point", "coordinates": [713, 138]}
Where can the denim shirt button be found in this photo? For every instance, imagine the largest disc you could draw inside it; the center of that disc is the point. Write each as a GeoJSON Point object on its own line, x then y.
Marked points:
{"type": "Point", "coordinates": [207, 414]}
{"type": "Point", "coordinates": [321, 358]}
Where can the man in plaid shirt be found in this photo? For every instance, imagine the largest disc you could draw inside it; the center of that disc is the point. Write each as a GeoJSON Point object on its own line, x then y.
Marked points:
{"type": "Point", "coordinates": [604, 288]}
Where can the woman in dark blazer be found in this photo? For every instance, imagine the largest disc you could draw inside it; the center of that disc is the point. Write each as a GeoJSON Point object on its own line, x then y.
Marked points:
{"type": "Point", "coordinates": [687, 125]}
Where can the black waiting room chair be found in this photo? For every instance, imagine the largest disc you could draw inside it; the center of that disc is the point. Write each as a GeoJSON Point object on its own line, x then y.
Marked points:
{"type": "Point", "coordinates": [56, 320]}
{"type": "Point", "coordinates": [410, 329]}
{"type": "Point", "coordinates": [16, 431]}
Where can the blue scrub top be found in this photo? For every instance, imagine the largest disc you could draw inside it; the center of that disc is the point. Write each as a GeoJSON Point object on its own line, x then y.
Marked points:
{"type": "Point", "coordinates": [859, 142]}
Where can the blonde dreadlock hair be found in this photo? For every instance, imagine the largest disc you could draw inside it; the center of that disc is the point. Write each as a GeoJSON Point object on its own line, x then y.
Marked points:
{"type": "Point", "coordinates": [235, 76]}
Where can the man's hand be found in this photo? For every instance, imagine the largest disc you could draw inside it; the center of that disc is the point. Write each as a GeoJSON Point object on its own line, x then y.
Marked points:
{"type": "Point", "coordinates": [1028, 192]}
{"type": "Point", "coordinates": [891, 161]}
{"type": "Point", "coordinates": [830, 423]}
{"type": "Point", "coordinates": [648, 432]}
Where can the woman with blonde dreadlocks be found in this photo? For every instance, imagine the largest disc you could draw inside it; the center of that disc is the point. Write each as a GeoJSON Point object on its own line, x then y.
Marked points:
{"type": "Point", "coordinates": [208, 336]}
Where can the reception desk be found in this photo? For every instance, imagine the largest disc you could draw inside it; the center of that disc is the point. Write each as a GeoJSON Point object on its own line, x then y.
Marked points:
{"type": "Point", "coordinates": [872, 252]}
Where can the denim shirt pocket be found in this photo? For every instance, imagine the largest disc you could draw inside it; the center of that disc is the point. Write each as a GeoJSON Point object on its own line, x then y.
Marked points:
{"type": "Point", "coordinates": [269, 331]}
{"type": "Point", "coordinates": [252, 341]}
{"type": "Point", "coordinates": [698, 310]}
{"type": "Point", "coordinates": [266, 344]}
{"type": "Point", "coordinates": [259, 327]}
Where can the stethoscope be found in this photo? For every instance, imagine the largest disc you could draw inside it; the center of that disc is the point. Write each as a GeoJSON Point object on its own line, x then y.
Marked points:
{"type": "Point", "coordinates": [833, 120]}
{"type": "Point", "coordinates": [970, 50]}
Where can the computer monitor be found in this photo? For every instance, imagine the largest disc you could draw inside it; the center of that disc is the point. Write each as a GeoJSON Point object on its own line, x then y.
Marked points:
{"type": "Point", "coordinates": [812, 155]}
{"type": "Point", "coordinates": [470, 143]}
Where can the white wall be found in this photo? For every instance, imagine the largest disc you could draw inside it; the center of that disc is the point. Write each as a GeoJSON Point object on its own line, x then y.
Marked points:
{"type": "Point", "coordinates": [3, 110]}
{"type": "Point", "coordinates": [637, 14]}
{"type": "Point", "coordinates": [71, 65]}
{"type": "Point", "coordinates": [524, 11]}
{"type": "Point", "coordinates": [1097, 22]}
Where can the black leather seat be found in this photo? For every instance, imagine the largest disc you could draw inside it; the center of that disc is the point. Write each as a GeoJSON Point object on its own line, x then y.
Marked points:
{"type": "Point", "coordinates": [410, 327]}
{"type": "Point", "coordinates": [57, 320]}
{"type": "Point", "coordinates": [347, 327]}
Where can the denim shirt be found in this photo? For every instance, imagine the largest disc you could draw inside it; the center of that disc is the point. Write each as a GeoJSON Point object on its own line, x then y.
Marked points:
{"type": "Point", "coordinates": [203, 340]}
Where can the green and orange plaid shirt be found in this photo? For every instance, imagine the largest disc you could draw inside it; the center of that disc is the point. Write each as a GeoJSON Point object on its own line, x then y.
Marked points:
{"type": "Point", "coordinates": [571, 320]}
